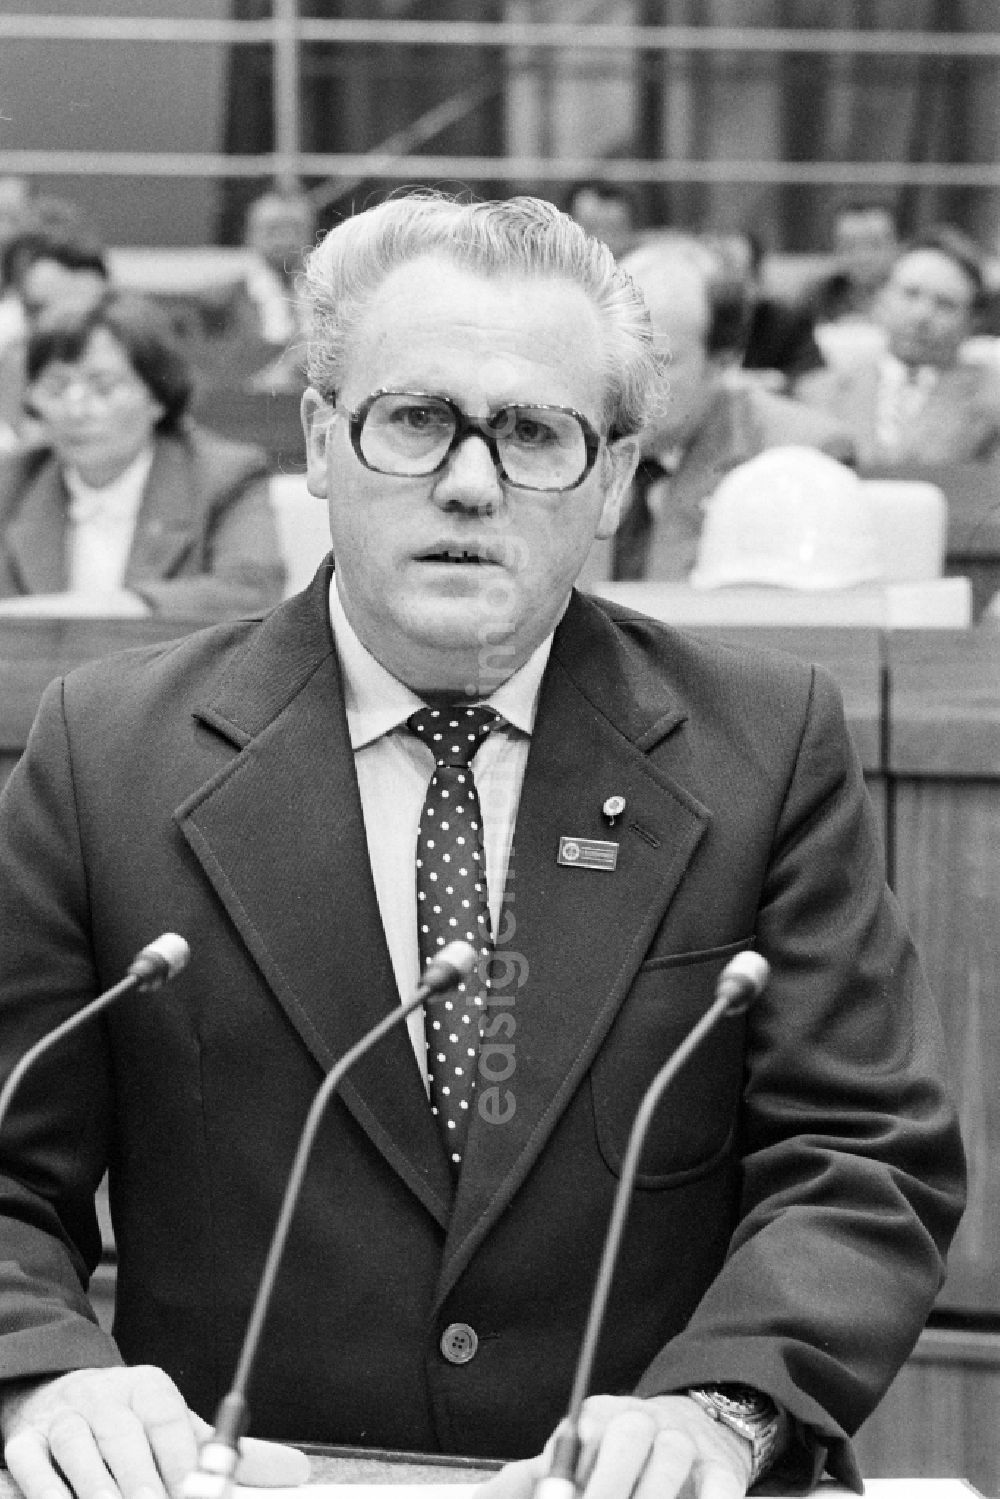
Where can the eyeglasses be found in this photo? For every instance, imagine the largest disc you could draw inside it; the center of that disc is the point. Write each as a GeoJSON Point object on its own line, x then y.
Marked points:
{"type": "Point", "coordinates": [409, 434]}
{"type": "Point", "coordinates": [55, 388]}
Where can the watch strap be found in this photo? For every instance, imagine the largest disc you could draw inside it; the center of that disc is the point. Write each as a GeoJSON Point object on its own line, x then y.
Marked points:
{"type": "Point", "coordinates": [748, 1412]}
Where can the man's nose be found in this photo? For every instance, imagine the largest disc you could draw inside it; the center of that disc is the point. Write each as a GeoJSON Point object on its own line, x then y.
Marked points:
{"type": "Point", "coordinates": [470, 477]}
{"type": "Point", "coordinates": [75, 396]}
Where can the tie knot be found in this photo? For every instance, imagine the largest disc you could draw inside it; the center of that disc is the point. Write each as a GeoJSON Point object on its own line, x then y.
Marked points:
{"type": "Point", "coordinates": [452, 733]}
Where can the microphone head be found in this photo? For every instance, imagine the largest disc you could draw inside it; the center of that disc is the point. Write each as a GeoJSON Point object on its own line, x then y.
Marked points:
{"type": "Point", "coordinates": [743, 979]}
{"type": "Point", "coordinates": [449, 967]}
{"type": "Point", "coordinates": [160, 960]}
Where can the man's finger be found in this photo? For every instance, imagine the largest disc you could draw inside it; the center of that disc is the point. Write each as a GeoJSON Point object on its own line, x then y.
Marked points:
{"type": "Point", "coordinates": [168, 1430]}
{"type": "Point", "coordinates": [30, 1466]}
{"type": "Point", "coordinates": [717, 1480]}
{"type": "Point", "coordinates": [73, 1445]}
{"type": "Point", "coordinates": [622, 1452]}
{"type": "Point", "coordinates": [515, 1481]}
{"type": "Point", "coordinates": [672, 1459]}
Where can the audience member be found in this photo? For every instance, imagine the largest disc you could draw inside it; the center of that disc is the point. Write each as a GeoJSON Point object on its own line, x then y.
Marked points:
{"type": "Point", "coordinates": [865, 244]}
{"type": "Point", "coordinates": [779, 336]}
{"type": "Point", "coordinates": [713, 419]}
{"type": "Point", "coordinates": [49, 268]}
{"type": "Point", "coordinates": [14, 209]}
{"type": "Point", "coordinates": [15, 198]}
{"type": "Point", "coordinates": [917, 401]}
{"type": "Point", "coordinates": [270, 314]}
{"type": "Point", "coordinates": [124, 507]}
{"type": "Point", "coordinates": [480, 372]}
{"type": "Point", "coordinates": [606, 210]}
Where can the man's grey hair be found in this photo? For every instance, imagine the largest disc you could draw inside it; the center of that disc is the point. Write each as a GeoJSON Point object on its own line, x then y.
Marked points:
{"type": "Point", "coordinates": [523, 236]}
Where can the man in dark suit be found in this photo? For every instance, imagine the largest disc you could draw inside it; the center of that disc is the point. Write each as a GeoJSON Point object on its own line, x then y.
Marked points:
{"type": "Point", "coordinates": [780, 344]}
{"type": "Point", "coordinates": [636, 807]}
{"type": "Point", "coordinates": [918, 400]}
{"type": "Point", "coordinates": [712, 419]}
{"type": "Point", "coordinates": [865, 242]}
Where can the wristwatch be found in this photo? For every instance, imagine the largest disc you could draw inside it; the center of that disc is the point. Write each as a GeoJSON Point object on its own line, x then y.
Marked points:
{"type": "Point", "coordinates": [752, 1415]}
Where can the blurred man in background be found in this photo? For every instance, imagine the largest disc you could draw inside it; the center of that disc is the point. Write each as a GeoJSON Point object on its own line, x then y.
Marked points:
{"type": "Point", "coordinates": [865, 244]}
{"type": "Point", "coordinates": [917, 401]}
{"type": "Point", "coordinates": [780, 343]}
{"type": "Point", "coordinates": [712, 419]}
{"type": "Point", "coordinates": [606, 210]}
{"type": "Point", "coordinates": [279, 230]}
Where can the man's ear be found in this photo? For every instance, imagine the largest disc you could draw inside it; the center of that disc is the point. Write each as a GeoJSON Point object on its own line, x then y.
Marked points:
{"type": "Point", "coordinates": [621, 459]}
{"type": "Point", "coordinates": [316, 417]}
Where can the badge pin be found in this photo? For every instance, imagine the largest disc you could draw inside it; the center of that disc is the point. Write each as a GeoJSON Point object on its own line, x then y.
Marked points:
{"type": "Point", "coordinates": [587, 853]}
{"type": "Point", "coordinates": [613, 807]}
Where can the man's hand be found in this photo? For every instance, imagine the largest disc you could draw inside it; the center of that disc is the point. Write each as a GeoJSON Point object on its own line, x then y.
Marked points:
{"type": "Point", "coordinates": [118, 1434]}
{"type": "Point", "coordinates": [644, 1449]}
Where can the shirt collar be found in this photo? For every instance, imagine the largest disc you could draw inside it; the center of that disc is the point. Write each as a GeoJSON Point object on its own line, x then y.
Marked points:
{"type": "Point", "coordinates": [896, 373]}
{"type": "Point", "coordinates": [377, 702]}
{"type": "Point", "coordinates": [120, 498]}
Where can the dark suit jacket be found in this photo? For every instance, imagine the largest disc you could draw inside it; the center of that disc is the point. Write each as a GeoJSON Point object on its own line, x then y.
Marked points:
{"type": "Point", "coordinates": [800, 1181]}
{"type": "Point", "coordinates": [205, 543]}
{"type": "Point", "coordinates": [959, 421]}
{"type": "Point", "coordinates": [741, 422]}
{"type": "Point", "coordinates": [780, 337]}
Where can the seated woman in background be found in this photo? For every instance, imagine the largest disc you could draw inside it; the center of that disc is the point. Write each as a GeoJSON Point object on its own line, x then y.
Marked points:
{"type": "Point", "coordinates": [126, 507]}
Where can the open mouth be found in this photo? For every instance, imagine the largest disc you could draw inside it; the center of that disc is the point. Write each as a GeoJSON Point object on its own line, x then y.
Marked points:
{"type": "Point", "coordinates": [463, 556]}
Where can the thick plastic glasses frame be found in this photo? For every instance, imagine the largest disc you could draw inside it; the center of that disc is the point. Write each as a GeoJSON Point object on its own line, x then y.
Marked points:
{"type": "Point", "coordinates": [483, 426]}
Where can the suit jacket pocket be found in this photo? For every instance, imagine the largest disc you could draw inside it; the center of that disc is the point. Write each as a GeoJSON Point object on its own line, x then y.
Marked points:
{"type": "Point", "coordinates": [695, 1123]}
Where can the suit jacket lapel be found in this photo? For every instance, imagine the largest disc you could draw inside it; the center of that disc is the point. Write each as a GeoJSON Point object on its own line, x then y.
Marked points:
{"type": "Point", "coordinates": [578, 935]}
{"type": "Point", "coordinates": [36, 536]}
{"type": "Point", "coordinates": [723, 440]}
{"type": "Point", "coordinates": [279, 834]}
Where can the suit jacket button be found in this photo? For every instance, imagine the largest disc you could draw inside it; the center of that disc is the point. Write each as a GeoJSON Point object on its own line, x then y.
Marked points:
{"type": "Point", "coordinates": [459, 1343]}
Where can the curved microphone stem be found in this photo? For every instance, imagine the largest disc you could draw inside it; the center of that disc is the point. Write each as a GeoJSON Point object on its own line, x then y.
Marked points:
{"type": "Point", "coordinates": [154, 966]}
{"type": "Point", "coordinates": [732, 997]}
{"type": "Point", "coordinates": [217, 1459]}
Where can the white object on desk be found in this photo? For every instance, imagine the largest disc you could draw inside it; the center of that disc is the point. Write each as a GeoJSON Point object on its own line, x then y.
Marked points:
{"type": "Point", "coordinates": [911, 526]}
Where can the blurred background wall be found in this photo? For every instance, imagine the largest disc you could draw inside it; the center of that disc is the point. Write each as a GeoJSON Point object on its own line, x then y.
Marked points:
{"type": "Point", "coordinates": [719, 127]}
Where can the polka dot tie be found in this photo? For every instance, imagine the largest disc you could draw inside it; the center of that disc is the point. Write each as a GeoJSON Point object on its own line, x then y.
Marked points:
{"type": "Point", "coordinates": [452, 906]}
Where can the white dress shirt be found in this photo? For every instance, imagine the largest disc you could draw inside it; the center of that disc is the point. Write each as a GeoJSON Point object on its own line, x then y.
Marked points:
{"type": "Point", "coordinates": [394, 769]}
{"type": "Point", "coordinates": [902, 393]}
{"type": "Point", "coordinates": [101, 527]}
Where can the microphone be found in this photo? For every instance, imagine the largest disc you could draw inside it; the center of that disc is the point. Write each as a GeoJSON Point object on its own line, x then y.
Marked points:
{"type": "Point", "coordinates": [213, 1477]}
{"type": "Point", "coordinates": [739, 984]}
{"type": "Point", "coordinates": [154, 966]}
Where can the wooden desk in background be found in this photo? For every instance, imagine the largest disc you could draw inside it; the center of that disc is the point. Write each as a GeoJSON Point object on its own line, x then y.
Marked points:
{"type": "Point", "coordinates": [271, 420]}
{"type": "Point", "coordinates": [924, 711]}
{"type": "Point", "coordinates": [34, 651]}
{"type": "Point", "coordinates": [942, 780]}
